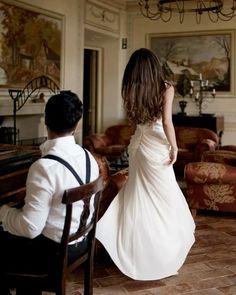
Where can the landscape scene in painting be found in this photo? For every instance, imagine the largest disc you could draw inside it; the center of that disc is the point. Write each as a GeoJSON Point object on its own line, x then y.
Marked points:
{"type": "Point", "coordinates": [206, 54]}
{"type": "Point", "coordinates": [30, 45]}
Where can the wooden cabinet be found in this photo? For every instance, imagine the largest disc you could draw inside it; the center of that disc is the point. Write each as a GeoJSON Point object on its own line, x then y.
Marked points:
{"type": "Point", "coordinates": [215, 123]}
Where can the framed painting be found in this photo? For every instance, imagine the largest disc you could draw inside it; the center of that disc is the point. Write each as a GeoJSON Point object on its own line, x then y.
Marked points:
{"type": "Point", "coordinates": [30, 44]}
{"type": "Point", "coordinates": [199, 55]}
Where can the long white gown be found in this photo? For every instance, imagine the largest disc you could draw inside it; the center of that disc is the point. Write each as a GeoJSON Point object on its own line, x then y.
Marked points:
{"type": "Point", "coordinates": [148, 229]}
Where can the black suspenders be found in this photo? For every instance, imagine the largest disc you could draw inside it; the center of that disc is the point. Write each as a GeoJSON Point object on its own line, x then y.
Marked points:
{"type": "Point", "coordinates": [62, 161]}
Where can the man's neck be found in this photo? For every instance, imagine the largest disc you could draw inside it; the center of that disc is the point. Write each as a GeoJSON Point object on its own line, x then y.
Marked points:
{"type": "Point", "coordinates": [54, 135]}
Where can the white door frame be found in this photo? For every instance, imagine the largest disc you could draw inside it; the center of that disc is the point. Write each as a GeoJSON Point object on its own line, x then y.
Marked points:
{"type": "Point", "coordinates": [99, 89]}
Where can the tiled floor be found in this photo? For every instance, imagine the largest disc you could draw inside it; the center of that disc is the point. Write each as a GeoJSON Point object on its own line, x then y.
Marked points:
{"type": "Point", "coordinates": [210, 268]}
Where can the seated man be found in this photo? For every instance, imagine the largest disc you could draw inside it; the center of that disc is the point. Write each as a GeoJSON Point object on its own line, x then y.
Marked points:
{"type": "Point", "coordinates": [39, 223]}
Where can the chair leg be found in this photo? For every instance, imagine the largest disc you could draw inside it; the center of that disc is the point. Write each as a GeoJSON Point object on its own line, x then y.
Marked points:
{"type": "Point", "coordinates": [88, 277]}
{"type": "Point", "coordinates": [62, 290]}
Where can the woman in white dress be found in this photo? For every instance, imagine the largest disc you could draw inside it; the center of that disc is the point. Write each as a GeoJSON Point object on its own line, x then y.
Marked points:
{"type": "Point", "coordinates": [148, 229]}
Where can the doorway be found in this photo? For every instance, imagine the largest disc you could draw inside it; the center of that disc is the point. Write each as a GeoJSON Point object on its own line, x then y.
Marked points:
{"type": "Point", "coordinates": [92, 91]}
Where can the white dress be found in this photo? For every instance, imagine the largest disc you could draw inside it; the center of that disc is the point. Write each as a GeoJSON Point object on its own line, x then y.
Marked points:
{"type": "Point", "coordinates": [148, 229]}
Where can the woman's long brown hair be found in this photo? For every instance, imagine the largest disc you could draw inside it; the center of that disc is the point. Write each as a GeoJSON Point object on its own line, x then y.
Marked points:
{"type": "Point", "coordinates": [143, 87]}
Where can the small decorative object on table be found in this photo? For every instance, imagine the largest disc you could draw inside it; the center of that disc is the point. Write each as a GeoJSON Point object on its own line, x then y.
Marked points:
{"type": "Point", "coordinates": [200, 95]}
{"type": "Point", "coordinates": [120, 163]}
{"type": "Point", "coordinates": [183, 87]}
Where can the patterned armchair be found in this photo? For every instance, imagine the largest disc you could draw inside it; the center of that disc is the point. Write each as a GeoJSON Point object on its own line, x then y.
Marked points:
{"type": "Point", "coordinates": [211, 184]}
{"type": "Point", "coordinates": [111, 143]}
{"type": "Point", "coordinates": [192, 142]}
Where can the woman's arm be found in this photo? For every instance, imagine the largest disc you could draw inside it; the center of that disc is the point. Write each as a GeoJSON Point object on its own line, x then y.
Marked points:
{"type": "Point", "coordinates": [168, 124]}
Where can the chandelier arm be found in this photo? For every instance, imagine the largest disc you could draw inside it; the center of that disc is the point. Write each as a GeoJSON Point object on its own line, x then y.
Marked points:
{"type": "Point", "coordinates": [216, 15]}
{"type": "Point", "coordinates": [168, 18]}
{"type": "Point", "coordinates": [180, 9]}
{"type": "Point", "coordinates": [181, 17]}
{"type": "Point", "coordinates": [147, 12]}
{"type": "Point", "coordinates": [164, 9]}
{"type": "Point", "coordinates": [224, 17]}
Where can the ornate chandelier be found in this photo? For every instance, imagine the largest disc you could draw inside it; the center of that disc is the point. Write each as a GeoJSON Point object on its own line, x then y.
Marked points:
{"type": "Point", "coordinates": [163, 9]}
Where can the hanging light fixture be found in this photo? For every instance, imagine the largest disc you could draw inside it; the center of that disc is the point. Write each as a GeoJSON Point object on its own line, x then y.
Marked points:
{"type": "Point", "coordinates": [163, 9]}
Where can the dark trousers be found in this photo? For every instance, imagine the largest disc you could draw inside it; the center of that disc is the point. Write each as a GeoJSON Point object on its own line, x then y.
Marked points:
{"type": "Point", "coordinates": [36, 255]}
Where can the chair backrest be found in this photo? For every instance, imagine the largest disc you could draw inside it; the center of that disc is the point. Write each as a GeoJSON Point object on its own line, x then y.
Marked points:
{"type": "Point", "coordinates": [54, 281]}
{"type": "Point", "coordinates": [120, 134]}
{"type": "Point", "coordinates": [189, 137]}
{"type": "Point", "coordinates": [87, 193]}
{"type": "Point", "coordinates": [103, 166]}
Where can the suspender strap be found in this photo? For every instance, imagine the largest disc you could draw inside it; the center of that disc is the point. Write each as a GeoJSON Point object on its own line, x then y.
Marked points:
{"type": "Point", "coordinates": [88, 167]}
{"type": "Point", "coordinates": [62, 161]}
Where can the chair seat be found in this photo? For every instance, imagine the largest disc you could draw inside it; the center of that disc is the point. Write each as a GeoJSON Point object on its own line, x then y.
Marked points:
{"type": "Point", "coordinates": [185, 154]}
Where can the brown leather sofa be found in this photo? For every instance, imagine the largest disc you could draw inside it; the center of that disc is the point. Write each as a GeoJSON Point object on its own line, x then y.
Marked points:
{"type": "Point", "coordinates": [211, 183]}
{"type": "Point", "coordinates": [111, 143]}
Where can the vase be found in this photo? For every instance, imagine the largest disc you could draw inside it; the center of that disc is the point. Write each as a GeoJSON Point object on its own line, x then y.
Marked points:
{"type": "Point", "coordinates": [182, 105]}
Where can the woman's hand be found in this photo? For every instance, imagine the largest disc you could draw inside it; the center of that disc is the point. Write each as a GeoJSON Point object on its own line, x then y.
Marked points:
{"type": "Point", "coordinates": [173, 155]}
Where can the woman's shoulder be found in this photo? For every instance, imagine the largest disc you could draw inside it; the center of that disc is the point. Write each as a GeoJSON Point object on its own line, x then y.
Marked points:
{"type": "Point", "coordinates": [169, 86]}
{"type": "Point", "coordinates": [169, 92]}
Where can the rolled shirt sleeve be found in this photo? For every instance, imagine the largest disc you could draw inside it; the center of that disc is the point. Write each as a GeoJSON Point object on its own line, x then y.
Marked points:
{"type": "Point", "coordinates": [30, 220]}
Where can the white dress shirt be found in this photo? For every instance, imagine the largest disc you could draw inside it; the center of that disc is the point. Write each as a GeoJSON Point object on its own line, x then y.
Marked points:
{"type": "Point", "coordinates": [43, 212]}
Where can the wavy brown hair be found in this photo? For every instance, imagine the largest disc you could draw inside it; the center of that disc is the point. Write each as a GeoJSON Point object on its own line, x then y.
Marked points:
{"type": "Point", "coordinates": [143, 86]}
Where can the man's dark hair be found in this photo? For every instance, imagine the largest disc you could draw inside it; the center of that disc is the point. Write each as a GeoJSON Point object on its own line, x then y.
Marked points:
{"type": "Point", "coordinates": [63, 111]}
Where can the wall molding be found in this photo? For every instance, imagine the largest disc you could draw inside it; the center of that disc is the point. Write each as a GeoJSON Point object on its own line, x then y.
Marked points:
{"type": "Point", "coordinates": [102, 17]}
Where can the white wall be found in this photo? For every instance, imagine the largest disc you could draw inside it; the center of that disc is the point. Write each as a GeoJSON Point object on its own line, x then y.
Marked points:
{"type": "Point", "coordinates": [135, 28]}
{"type": "Point", "coordinates": [71, 11]}
{"type": "Point", "coordinates": [138, 29]}
{"type": "Point", "coordinates": [114, 59]}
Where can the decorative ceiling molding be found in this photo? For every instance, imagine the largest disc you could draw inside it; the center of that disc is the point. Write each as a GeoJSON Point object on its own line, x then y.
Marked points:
{"type": "Point", "coordinates": [120, 4]}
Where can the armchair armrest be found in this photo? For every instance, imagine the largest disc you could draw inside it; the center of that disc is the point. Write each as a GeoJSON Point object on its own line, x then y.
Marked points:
{"type": "Point", "coordinates": [220, 156]}
{"type": "Point", "coordinates": [231, 148]}
{"type": "Point", "coordinates": [204, 145]}
{"type": "Point", "coordinates": [210, 173]}
{"type": "Point", "coordinates": [95, 141]}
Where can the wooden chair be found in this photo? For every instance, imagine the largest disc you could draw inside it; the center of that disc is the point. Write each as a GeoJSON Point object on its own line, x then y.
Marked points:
{"type": "Point", "coordinates": [55, 282]}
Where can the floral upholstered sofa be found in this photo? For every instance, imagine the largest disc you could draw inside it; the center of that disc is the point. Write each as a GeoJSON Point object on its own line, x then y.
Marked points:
{"type": "Point", "coordinates": [211, 183]}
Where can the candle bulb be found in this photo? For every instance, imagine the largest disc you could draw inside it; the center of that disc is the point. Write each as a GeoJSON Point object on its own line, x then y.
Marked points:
{"type": "Point", "coordinates": [200, 76]}
{"type": "Point", "coordinates": [191, 83]}
{"type": "Point", "coordinates": [206, 82]}
{"type": "Point", "coordinates": [197, 95]}
{"type": "Point", "coordinates": [191, 90]}
{"type": "Point", "coordinates": [213, 91]}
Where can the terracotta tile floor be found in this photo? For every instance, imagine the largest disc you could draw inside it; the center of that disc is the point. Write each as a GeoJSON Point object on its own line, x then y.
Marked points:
{"type": "Point", "coordinates": [210, 268]}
